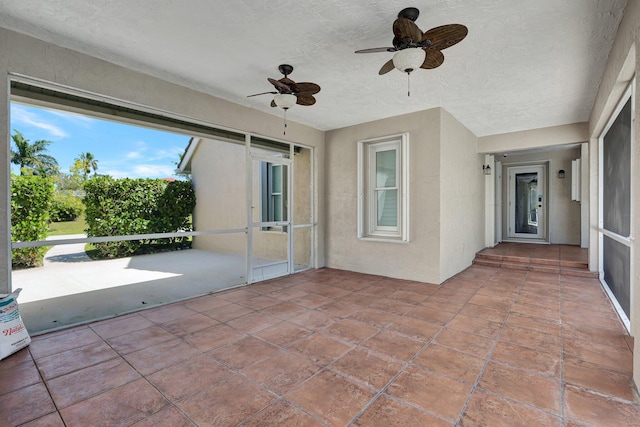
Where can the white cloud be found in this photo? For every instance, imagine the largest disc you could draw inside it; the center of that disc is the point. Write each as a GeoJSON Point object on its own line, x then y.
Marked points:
{"type": "Point", "coordinates": [153, 171]}
{"type": "Point", "coordinates": [141, 171]}
{"type": "Point", "coordinates": [74, 119]}
{"type": "Point", "coordinates": [141, 147]}
{"type": "Point", "coordinates": [115, 173]}
{"type": "Point", "coordinates": [143, 151]}
{"type": "Point", "coordinates": [21, 116]}
{"type": "Point", "coordinates": [170, 153]}
{"type": "Point", "coordinates": [134, 155]}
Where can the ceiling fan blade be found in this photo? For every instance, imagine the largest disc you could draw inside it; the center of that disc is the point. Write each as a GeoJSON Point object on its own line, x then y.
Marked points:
{"type": "Point", "coordinates": [286, 80]}
{"type": "Point", "coordinates": [377, 50]}
{"type": "Point", "coordinates": [434, 59]}
{"type": "Point", "coordinates": [306, 100]}
{"type": "Point", "coordinates": [306, 88]}
{"type": "Point", "coordinates": [388, 66]}
{"type": "Point", "coordinates": [263, 93]}
{"type": "Point", "coordinates": [445, 36]}
{"type": "Point", "coordinates": [282, 88]}
{"type": "Point", "coordinates": [405, 28]}
{"type": "Point", "coordinates": [273, 103]}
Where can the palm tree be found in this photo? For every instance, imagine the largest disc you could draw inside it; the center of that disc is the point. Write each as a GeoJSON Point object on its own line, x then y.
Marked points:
{"type": "Point", "coordinates": [87, 162]}
{"type": "Point", "coordinates": [31, 157]}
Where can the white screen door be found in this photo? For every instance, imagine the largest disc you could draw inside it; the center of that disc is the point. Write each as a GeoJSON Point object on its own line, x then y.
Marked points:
{"type": "Point", "coordinates": [270, 213]}
{"type": "Point", "coordinates": [527, 202]}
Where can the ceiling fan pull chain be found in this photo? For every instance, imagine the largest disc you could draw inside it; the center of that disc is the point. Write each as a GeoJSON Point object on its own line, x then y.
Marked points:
{"type": "Point", "coordinates": [408, 84]}
{"type": "Point", "coordinates": [285, 121]}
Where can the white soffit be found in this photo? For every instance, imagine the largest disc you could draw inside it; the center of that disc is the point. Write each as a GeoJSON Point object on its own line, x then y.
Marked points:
{"type": "Point", "coordinates": [524, 64]}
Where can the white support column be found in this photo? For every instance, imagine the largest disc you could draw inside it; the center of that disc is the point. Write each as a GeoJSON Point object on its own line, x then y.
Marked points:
{"type": "Point", "coordinates": [5, 183]}
{"type": "Point", "coordinates": [489, 202]}
{"type": "Point", "coordinates": [594, 205]}
{"type": "Point", "coordinates": [584, 196]}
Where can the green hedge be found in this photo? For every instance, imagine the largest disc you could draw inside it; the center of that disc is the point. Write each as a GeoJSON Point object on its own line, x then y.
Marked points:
{"type": "Point", "coordinates": [30, 203]}
{"type": "Point", "coordinates": [119, 207]}
{"type": "Point", "coordinates": [65, 207]}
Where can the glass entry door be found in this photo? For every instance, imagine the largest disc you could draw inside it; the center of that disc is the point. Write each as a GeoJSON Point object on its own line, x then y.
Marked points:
{"type": "Point", "coordinates": [527, 202]}
{"type": "Point", "coordinates": [269, 246]}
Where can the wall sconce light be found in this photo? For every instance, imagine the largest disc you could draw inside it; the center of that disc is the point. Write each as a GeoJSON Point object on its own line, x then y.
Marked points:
{"type": "Point", "coordinates": [561, 174]}
{"type": "Point", "coordinates": [486, 169]}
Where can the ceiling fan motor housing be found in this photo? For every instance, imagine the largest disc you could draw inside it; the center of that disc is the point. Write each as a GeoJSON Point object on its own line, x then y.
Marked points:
{"type": "Point", "coordinates": [285, 69]}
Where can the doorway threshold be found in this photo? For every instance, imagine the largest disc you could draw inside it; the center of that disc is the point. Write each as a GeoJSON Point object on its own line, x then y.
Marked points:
{"type": "Point", "coordinates": [533, 241]}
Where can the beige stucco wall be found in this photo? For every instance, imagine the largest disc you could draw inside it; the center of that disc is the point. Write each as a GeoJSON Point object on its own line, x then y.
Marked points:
{"type": "Point", "coordinates": [462, 198]}
{"type": "Point", "coordinates": [564, 214]}
{"type": "Point", "coordinates": [34, 58]}
{"type": "Point", "coordinates": [417, 260]}
{"type": "Point", "coordinates": [622, 66]}
{"type": "Point", "coordinates": [220, 195]}
{"type": "Point", "coordinates": [534, 138]}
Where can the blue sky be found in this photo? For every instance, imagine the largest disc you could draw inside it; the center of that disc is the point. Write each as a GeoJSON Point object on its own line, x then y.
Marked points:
{"type": "Point", "coordinates": [121, 150]}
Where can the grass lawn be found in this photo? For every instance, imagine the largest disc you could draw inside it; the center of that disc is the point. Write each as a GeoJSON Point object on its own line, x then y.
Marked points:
{"type": "Point", "coordinates": [68, 227]}
{"type": "Point", "coordinates": [79, 226]}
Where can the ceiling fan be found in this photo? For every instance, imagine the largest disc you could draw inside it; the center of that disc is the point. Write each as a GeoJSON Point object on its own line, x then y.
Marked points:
{"type": "Point", "coordinates": [288, 93]}
{"type": "Point", "coordinates": [415, 49]}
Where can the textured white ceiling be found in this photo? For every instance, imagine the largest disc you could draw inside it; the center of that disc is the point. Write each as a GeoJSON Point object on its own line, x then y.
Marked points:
{"type": "Point", "coordinates": [525, 64]}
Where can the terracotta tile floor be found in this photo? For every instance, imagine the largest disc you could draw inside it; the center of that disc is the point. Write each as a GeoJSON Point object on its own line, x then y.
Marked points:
{"type": "Point", "coordinates": [490, 347]}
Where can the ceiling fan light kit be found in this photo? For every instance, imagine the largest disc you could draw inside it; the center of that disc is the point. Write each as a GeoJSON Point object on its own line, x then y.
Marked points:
{"type": "Point", "coordinates": [285, 100]}
{"type": "Point", "coordinates": [409, 59]}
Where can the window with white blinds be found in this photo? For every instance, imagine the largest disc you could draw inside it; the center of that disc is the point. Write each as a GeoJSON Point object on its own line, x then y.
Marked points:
{"type": "Point", "coordinates": [382, 181]}
{"type": "Point", "coordinates": [273, 183]}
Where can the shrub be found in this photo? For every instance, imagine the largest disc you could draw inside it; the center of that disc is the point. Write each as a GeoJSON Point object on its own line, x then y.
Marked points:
{"type": "Point", "coordinates": [30, 204]}
{"type": "Point", "coordinates": [119, 207]}
{"type": "Point", "coordinates": [65, 207]}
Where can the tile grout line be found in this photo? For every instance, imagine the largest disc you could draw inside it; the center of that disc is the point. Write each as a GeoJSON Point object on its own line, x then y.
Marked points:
{"type": "Point", "coordinates": [408, 363]}
{"type": "Point", "coordinates": [562, 381]}
{"type": "Point", "coordinates": [488, 358]}
{"type": "Point", "coordinates": [281, 348]}
{"type": "Point", "coordinates": [327, 367]}
{"type": "Point", "coordinates": [46, 386]}
{"type": "Point", "coordinates": [256, 382]}
{"type": "Point", "coordinates": [142, 376]}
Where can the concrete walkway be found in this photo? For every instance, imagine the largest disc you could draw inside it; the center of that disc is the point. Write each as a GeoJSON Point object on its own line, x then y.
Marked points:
{"type": "Point", "coordinates": [66, 253]}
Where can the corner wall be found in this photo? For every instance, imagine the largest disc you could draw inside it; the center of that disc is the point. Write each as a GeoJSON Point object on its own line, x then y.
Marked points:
{"type": "Point", "coordinates": [446, 197]}
{"type": "Point", "coordinates": [534, 138]}
{"type": "Point", "coordinates": [38, 59]}
{"type": "Point", "coordinates": [419, 259]}
{"type": "Point", "coordinates": [462, 197]}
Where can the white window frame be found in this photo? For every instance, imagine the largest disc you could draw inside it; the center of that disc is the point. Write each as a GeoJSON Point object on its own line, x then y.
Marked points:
{"type": "Point", "coordinates": [367, 200]}
{"type": "Point", "coordinates": [267, 197]}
